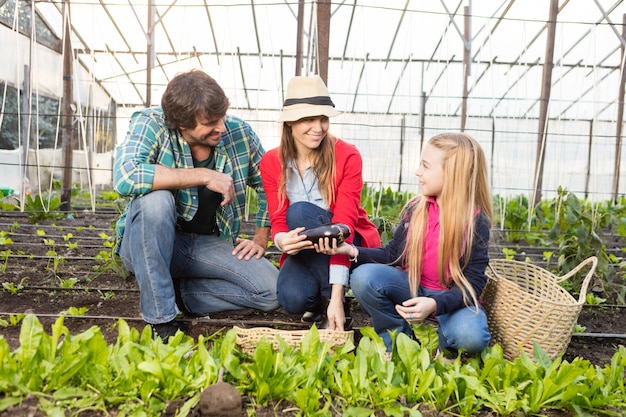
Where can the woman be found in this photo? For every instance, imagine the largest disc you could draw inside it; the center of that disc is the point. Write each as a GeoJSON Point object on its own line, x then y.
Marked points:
{"type": "Point", "coordinates": [313, 178]}
{"type": "Point", "coordinates": [435, 264]}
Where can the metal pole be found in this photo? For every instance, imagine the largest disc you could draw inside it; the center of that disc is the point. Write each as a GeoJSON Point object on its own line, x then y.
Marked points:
{"type": "Point", "coordinates": [299, 36]}
{"type": "Point", "coordinates": [620, 119]}
{"type": "Point", "coordinates": [150, 52]}
{"type": "Point", "coordinates": [466, 64]}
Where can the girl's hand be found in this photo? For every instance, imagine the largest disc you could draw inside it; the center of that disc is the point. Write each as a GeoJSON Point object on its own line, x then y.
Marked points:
{"type": "Point", "coordinates": [336, 315]}
{"type": "Point", "coordinates": [291, 243]}
{"type": "Point", "coordinates": [417, 309]}
{"type": "Point", "coordinates": [329, 247]}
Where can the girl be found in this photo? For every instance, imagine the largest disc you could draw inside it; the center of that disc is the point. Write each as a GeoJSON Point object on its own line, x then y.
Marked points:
{"type": "Point", "coordinates": [313, 178]}
{"type": "Point", "coordinates": [435, 263]}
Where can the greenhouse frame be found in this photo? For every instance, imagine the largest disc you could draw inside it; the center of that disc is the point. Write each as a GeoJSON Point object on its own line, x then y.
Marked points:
{"type": "Point", "coordinates": [540, 84]}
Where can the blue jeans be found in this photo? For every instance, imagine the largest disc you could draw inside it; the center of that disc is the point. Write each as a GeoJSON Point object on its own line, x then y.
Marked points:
{"type": "Point", "coordinates": [378, 288]}
{"type": "Point", "coordinates": [303, 278]}
{"type": "Point", "coordinates": [209, 277]}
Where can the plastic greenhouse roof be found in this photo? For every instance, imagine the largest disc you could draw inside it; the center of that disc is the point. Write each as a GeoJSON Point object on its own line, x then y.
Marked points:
{"type": "Point", "coordinates": [384, 56]}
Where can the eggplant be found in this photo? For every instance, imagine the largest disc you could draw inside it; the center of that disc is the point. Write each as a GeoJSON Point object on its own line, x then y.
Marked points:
{"type": "Point", "coordinates": [337, 231]}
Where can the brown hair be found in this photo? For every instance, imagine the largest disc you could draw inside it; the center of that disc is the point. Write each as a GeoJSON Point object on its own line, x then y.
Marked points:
{"type": "Point", "coordinates": [190, 94]}
{"type": "Point", "coordinates": [323, 165]}
{"type": "Point", "coordinates": [465, 191]}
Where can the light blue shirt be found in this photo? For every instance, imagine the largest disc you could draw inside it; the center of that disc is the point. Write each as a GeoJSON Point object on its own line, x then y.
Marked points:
{"type": "Point", "coordinates": [306, 188]}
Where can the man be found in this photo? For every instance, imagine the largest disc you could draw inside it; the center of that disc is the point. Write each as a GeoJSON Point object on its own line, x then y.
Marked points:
{"type": "Point", "coordinates": [186, 167]}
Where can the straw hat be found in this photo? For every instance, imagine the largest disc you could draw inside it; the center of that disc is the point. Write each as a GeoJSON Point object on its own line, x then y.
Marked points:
{"type": "Point", "coordinates": [307, 97]}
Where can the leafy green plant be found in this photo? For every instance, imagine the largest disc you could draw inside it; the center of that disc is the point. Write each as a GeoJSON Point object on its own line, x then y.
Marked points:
{"type": "Point", "coordinates": [4, 256]}
{"type": "Point", "coordinates": [139, 375]}
{"type": "Point", "coordinates": [107, 295]}
{"type": "Point", "coordinates": [13, 288]}
{"type": "Point", "coordinates": [14, 320]}
{"type": "Point", "coordinates": [43, 207]}
{"type": "Point", "coordinates": [75, 311]}
{"type": "Point", "coordinates": [5, 238]}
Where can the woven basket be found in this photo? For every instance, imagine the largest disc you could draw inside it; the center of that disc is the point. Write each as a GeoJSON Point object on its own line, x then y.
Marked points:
{"type": "Point", "coordinates": [247, 338]}
{"type": "Point", "coordinates": [526, 304]}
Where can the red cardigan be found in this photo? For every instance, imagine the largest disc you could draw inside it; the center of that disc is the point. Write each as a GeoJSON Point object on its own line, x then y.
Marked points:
{"type": "Point", "coordinates": [346, 208]}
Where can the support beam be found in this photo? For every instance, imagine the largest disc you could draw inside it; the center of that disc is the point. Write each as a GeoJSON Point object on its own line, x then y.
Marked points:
{"type": "Point", "coordinates": [243, 78]}
{"type": "Point", "coordinates": [299, 37]}
{"type": "Point", "coordinates": [620, 119]}
{"type": "Point", "coordinates": [467, 64]}
{"type": "Point", "coordinates": [256, 33]}
{"type": "Point", "coordinates": [345, 45]}
{"type": "Point", "coordinates": [208, 15]}
{"type": "Point", "coordinates": [358, 83]}
{"type": "Point", "coordinates": [150, 51]}
{"type": "Point", "coordinates": [395, 88]}
{"type": "Point", "coordinates": [323, 38]}
{"type": "Point", "coordinates": [546, 86]}
{"type": "Point", "coordinates": [395, 35]}
{"type": "Point", "coordinates": [68, 114]}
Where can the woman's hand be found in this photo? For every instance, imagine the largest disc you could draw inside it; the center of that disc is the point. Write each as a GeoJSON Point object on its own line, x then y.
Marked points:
{"type": "Point", "coordinates": [291, 243]}
{"type": "Point", "coordinates": [417, 309]}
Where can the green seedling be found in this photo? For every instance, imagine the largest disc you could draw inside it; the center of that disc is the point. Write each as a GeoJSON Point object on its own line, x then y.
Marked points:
{"type": "Point", "coordinates": [13, 288]}
{"type": "Point", "coordinates": [74, 311]}
{"type": "Point", "coordinates": [67, 283]}
{"type": "Point", "coordinates": [4, 255]}
{"type": "Point", "coordinates": [106, 295]}
{"type": "Point", "coordinates": [14, 320]}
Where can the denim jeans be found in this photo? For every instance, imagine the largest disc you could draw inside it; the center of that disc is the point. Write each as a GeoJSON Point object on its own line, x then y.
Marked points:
{"type": "Point", "coordinates": [378, 288]}
{"type": "Point", "coordinates": [209, 277]}
{"type": "Point", "coordinates": [303, 278]}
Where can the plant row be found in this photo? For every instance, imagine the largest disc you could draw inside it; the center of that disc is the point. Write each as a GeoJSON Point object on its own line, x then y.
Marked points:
{"type": "Point", "coordinates": [138, 375]}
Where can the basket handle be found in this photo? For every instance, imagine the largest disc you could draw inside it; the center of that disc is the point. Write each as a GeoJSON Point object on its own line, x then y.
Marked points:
{"type": "Point", "coordinates": [583, 289]}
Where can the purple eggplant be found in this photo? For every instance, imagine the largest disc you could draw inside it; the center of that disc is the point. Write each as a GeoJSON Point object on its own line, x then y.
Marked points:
{"type": "Point", "coordinates": [337, 231]}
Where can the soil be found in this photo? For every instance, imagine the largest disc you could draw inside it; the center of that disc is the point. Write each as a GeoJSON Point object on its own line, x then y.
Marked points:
{"type": "Point", "coordinates": [33, 283]}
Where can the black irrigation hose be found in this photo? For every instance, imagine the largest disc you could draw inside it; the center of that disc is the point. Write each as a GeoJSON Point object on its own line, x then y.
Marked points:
{"type": "Point", "coordinates": [76, 289]}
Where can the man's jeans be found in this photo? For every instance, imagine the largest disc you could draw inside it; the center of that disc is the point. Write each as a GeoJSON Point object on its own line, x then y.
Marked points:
{"type": "Point", "coordinates": [379, 288]}
{"type": "Point", "coordinates": [211, 279]}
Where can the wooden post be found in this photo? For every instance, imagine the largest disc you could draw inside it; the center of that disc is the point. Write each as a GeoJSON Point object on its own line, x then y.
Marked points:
{"type": "Point", "coordinates": [546, 86]}
{"type": "Point", "coordinates": [620, 119]}
{"type": "Point", "coordinates": [323, 38]}
{"type": "Point", "coordinates": [68, 113]}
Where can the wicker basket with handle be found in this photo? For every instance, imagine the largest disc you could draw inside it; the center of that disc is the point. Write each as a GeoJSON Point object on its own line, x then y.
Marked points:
{"type": "Point", "coordinates": [526, 304]}
{"type": "Point", "coordinates": [247, 338]}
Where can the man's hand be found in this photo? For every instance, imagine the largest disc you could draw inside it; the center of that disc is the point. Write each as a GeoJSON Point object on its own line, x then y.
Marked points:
{"type": "Point", "coordinates": [166, 178]}
{"type": "Point", "coordinates": [246, 248]}
{"type": "Point", "coordinates": [223, 184]}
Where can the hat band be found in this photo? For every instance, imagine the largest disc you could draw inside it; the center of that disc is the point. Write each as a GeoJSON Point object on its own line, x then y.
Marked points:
{"type": "Point", "coordinates": [317, 100]}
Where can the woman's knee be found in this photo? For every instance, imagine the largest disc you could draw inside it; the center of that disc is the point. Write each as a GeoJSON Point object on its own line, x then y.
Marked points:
{"type": "Point", "coordinates": [468, 332]}
{"type": "Point", "coordinates": [305, 214]}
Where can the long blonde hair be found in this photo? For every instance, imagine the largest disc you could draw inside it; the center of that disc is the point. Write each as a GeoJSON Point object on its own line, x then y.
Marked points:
{"type": "Point", "coordinates": [323, 164]}
{"type": "Point", "coordinates": [465, 192]}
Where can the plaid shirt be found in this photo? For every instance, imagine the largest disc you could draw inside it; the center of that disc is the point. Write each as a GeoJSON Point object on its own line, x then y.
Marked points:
{"type": "Point", "coordinates": [150, 142]}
